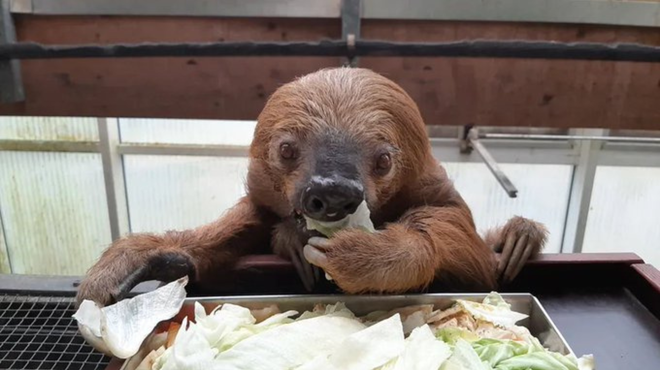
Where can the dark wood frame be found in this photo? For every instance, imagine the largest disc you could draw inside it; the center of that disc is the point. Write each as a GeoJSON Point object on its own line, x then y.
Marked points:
{"type": "Point", "coordinates": [500, 92]}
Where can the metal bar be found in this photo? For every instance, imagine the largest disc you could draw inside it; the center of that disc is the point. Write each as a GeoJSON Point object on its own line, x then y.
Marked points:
{"type": "Point", "coordinates": [579, 200]}
{"type": "Point", "coordinates": [183, 149]}
{"type": "Point", "coordinates": [5, 262]}
{"type": "Point", "coordinates": [622, 13]}
{"type": "Point", "coordinates": [53, 285]}
{"type": "Point", "coordinates": [446, 150]}
{"type": "Point", "coordinates": [501, 177]}
{"type": "Point", "coordinates": [11, 82]}
{"type": "Point", "coordinates": [350, 27]}
{"type": "Point", "coordinates": [191, 8]}
{"type": "Point", "coordinates": [625, 13]}
{"type": "Point", "coordinates": [571, 137]}
{"type": "Point", "coordinates": [49, 146]}
{"type": "Point", "coordinates": [113, 174]}
{"type": "Point", "coordinates": [471, 48]}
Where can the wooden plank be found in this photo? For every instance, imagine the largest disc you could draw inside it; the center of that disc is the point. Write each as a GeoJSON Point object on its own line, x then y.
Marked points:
{"type": "Point", "coordinates": [487, 92]}
{"type": "Point", "coordinates": [210, 88]}
{"type": "Point", "coordinates": [275, 263]}
{"type": "Point", "coordinates": [586, 258]}
{"type": "Point", "coordinates": [517, 92]}
{"type": "Point", "coordinates": [650, 274]}
{"type": "Point", "coordinates": [643, 281]}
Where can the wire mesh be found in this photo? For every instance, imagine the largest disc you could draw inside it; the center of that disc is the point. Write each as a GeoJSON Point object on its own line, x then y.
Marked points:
{"type": "Point", "coordinates": [39, 333]}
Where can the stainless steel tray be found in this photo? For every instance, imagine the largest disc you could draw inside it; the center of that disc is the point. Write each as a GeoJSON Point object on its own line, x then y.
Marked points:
{"type": "Point", "coordinates": [538, 322]}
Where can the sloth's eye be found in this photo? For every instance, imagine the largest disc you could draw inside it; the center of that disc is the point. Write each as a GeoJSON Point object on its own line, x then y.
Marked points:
{"type": "Point", "coordinates": [287, 151]}
{"type": "Point", "coordinates": [384, 163]}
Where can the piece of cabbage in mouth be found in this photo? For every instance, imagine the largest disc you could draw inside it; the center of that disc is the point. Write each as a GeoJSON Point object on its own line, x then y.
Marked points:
{"type": "Point", "coordinates": [360, 219]}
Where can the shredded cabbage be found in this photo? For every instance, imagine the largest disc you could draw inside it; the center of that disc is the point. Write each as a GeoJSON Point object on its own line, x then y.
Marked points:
{"type": "Point", "coordinates": [475, 336]}
{"type": "Point", "coordinates": [422, 351]}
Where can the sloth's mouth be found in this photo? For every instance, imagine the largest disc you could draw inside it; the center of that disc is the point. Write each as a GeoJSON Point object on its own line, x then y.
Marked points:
{"type": "Point", "coordinates": [299, 218]}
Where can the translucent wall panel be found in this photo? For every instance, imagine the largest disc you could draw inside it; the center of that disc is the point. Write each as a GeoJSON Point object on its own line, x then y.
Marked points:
{"type": "Point", "coordinates": [625, 212]}
{"type": "Point", "coordinates": [48, 128]}
{"type": "Point", "coordinates": [168, 192]}
{"type": "Point", "coordinates": [542, 195]}
{"type": "Point", "coordinates": [174, 131]}
{"type": "Point", "coordinates": [54, 211]}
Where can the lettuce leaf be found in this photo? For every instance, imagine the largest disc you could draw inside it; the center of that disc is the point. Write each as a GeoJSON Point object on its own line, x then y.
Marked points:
{"type": "Point", "coordinates": [452, 335]}
{"type": "Point", "coordinates": [497, 314]}
{"type": "Point", "coordinates": [422, 351]}
{"type": "Point", "coordinates": [586, 362]}
{"type": "Point", "coordinates": [190, 351]}
{"type": "Point", "coordinates": [288, 346]}
{"type": "Point", "coordinates": [360, 219]}
{"type": "Point", "coordinates": [540, 360]}
{"type": "Point", "coordinates": [494, 351]}
{"type": "Point", "coordinates": [464, 357]}
{"type": "Point", "coordinates": [366, 349]}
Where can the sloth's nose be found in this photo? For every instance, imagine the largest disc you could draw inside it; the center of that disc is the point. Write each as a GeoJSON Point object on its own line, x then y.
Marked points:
{"type": "Point", "coordinates": [332, 199]}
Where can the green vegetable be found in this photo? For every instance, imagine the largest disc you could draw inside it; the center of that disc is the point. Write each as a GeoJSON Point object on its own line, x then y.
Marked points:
{"type": "Point", "coordinates": [494, 351]}
{"type": "Point", "coordinates": [360, 219]}
{"type": "Point", "coordinates": [452, 335]}
{"type": "Point", "coordinates": [464, 358]}
{"type": "Point", "coordinates": [541, 360]}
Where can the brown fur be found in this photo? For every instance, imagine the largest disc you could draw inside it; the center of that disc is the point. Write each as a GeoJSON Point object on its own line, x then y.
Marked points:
{"type": "Point", "coordinates": [426, 230]}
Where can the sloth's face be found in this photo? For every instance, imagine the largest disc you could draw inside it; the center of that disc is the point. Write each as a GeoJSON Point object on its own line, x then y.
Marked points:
{"type": "Point", "coordinates": [333, 139]}
{"type": "Point", "coordinates": [327, 173]}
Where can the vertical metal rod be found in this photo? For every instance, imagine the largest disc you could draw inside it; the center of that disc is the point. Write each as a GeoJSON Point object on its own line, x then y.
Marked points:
{"type": "Point", "coordinates": [5, 262]}
{"type": "Point", "coordinates": [351, 14]}
{"type": "Point", "coordinates": [11, 82]}
{"type": "Point", "coordinates": [113, 174]}
{"type": "Point", "coordinates": [501, 177]}
{"type": "Point", "coordinates": [579, 199]}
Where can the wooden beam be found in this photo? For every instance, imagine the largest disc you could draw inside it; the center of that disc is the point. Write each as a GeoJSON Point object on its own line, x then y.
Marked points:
{"type": "Point", "coordinates": [486, 92]}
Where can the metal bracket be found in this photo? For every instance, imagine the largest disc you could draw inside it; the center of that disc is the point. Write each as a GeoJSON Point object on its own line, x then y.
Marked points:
{"type": "Point", "coordinates": [351, 14]}
{"type": "Point", "coordinates": [11, 83]}
{"type": "Point", "coordinates": [471, 142]}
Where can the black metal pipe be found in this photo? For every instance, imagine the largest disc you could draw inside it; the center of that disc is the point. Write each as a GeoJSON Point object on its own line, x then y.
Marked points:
{"type": "Point", "coordinates": [339, 48]}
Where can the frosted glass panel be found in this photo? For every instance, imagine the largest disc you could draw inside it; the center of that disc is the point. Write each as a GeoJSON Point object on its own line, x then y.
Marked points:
{"type": "Point", "coordinates": [54, 211]}
{"type": "Point", "coordinates": [175, 131]}
{"type": "Point", "coordinates": [48, 128]}
{"type": "Point", "coordinates": [625, 212]}
{"type": "Point", "coordinates": [169, 192]}
{"type": "Point", "coordinates": [542, 195]}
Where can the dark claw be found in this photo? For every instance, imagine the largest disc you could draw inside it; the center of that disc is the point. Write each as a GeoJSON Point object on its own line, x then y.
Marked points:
{"type": "Point", "coordinates": [525, 257]}
{"type": "Point", "coordinates": [507, 249]}
{"type": "Point", "coordinates": [515, 258]}
{"type": "Point", "coordinates": [306, 271]}
{"type": "Point", "coordinates": [165, 267]}
{"type": "Point", "coordinates": [317, 273]}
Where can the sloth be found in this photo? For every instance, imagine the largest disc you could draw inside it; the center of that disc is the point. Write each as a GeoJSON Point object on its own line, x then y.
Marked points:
{"type": "Point", "coordinates": [324, 144]}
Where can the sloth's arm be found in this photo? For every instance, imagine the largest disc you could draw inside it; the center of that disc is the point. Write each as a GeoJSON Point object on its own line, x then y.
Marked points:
{"type": "Point", "coordinates": [427, 242]}
{"type": "Point", "coordinates": [198, 253]}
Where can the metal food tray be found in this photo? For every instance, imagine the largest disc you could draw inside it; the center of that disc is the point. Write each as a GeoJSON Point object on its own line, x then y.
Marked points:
{"type": "Point", "coordinates": [539, 323]}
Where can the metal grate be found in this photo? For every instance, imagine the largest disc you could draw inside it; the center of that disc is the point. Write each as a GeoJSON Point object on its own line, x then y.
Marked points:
{"type": "Point", "coordinates": [39, 333]}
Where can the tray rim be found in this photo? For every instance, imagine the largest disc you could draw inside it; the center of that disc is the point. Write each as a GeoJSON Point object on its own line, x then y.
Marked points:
{"type": "Point", "coordinates": [273, 298]}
